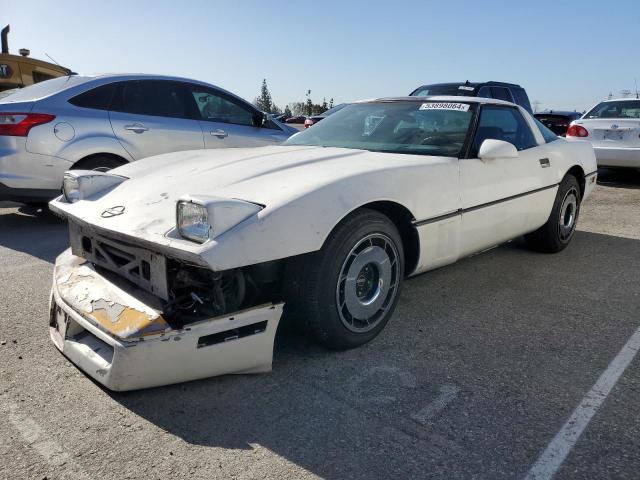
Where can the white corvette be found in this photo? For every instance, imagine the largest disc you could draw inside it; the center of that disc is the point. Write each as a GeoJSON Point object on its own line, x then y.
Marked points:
{"type": "Point", "coordinates": [613, 128]}
{"type": "Point", "coordinates": [181, 265]}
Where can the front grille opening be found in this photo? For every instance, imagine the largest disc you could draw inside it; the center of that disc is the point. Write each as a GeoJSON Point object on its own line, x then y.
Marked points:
{"type": "Point", "coordinates": [146, 270]}
{"type": "Point", "coordinates": [233, 334]}
{"type": "Point", "coordinates": [86, 245]}
{"type": "Point", "coordinates": [119, 257]}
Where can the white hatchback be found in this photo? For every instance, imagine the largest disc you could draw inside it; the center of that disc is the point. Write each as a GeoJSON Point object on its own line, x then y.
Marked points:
{"type": "Point", "coordinates": [613, 128]}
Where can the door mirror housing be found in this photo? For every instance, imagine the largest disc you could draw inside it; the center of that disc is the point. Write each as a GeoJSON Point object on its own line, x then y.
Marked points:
{"type": "Point", "coordinates": [260, 119]}
{"type": "Point", "coordinates": [492, 149]}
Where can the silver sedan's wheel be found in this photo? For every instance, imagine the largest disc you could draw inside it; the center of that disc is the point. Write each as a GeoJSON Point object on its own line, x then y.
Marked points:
{"type": "Point", "coordinates": [368, 283]}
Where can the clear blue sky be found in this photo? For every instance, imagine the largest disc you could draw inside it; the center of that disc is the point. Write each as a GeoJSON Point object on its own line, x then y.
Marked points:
{"type": "Point", "coordinates": [567, 54]}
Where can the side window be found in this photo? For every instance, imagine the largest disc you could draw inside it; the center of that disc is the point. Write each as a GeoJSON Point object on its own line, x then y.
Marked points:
{"type": "Point", "coordinates": [548, 135]}
{"type": "Point", "coordinates": [98, 98]}
{"type": "Point", "coordinates": [214, 107]}
{"type": "Point", "coordinates": [484, 92]}
{"type": "Point", "coordinates": [160, 98]}
{"type": "Point", "coordinates": [503, 123]}
{"type": "Point", "coordinates": [522, 99]}
{"type": "Point", "coordinates": [501, 93]}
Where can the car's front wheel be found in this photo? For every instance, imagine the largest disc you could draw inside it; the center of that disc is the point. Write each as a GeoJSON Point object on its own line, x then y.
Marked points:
{"type": "Point", "coordinates": [346, 292]}
{"type": "Point", "coordinates": [556, 234]}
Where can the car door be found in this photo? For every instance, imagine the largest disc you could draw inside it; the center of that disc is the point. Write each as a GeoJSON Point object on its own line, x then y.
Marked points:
{"type": "Point", "coordinates": [502, 198]}
{"type": "Point", "coordinates": [229, 122]}
{"type": "Point", "coordinates": [150, 117]}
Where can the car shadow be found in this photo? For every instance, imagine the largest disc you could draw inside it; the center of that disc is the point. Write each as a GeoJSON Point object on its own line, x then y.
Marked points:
{"type": "Point", "coordinates": [619, 177]}
{"type": "Point", "coordinates": [506, 313]}
{"type": "Point", "coordinates": [32, 230]}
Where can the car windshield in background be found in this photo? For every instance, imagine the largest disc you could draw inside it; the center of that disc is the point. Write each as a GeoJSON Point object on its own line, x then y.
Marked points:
{"type": "Point", "coordinates": [617, 109]}
{"type": "Point", "coordinates": [333, 110]}
{"type": "Point", "coordinates": [448, 90]}
{"type": "Point", "coordinates": [429, 128]}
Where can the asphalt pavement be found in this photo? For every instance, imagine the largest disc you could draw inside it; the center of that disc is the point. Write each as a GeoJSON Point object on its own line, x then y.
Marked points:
{"type": "Point", "coordinates": [474, 377]}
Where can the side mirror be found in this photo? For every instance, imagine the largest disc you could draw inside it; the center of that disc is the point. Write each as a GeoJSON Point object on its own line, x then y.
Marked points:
{"type": "Point", "coordinates": [492, 149]}
{"type": "Point", "coordinates": [260, 119]}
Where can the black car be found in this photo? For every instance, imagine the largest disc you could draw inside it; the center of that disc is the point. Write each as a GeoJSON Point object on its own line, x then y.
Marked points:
{"type": "Point", "coordinates": [557, 120]}
{"type": "Point", "coordinates": [502, 91]}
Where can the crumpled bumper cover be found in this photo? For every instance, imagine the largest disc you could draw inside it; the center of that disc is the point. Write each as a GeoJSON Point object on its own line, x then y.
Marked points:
{"type": "Point", "coordinates": [115, 333]}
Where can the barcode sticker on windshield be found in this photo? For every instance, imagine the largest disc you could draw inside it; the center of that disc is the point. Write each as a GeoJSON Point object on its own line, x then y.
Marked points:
{"type": "Point", "coordinates": [461, 107]}
{"type": "Point", "coordinates": [464, 87]}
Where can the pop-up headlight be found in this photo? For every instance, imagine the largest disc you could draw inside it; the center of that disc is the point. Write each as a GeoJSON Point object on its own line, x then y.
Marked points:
{"type": "Point", "coordinates": [80, 184]}
{"type": "Point", "coordinates": [200, 218]}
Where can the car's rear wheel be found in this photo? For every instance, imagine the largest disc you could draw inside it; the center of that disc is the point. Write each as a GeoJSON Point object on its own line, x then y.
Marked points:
{"type": "Point", "coordinates": [100, 163]}
{"type": "Point", "coordinates": [346, 292]}
{"type": "Point", "coordinates": [556, 234]}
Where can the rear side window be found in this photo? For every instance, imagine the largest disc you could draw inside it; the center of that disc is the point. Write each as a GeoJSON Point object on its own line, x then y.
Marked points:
{"type": "Point", "coordinates": [548, 135]}
{"type": "Point", "coordinates": [503, 123]}
{"type": "Point", "coordinates": [160, 98]}
{"type": "Point", "coordinates": [501, 93]}
{"type": "Point", "coordinates": [485, 92]}
{"type": "Point", "coordinates": [98, 98]}
{"type": "Point", "coordinates": [522, 99]}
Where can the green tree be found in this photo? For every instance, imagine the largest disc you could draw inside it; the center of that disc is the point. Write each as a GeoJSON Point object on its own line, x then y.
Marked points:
{"type": "Point", "coordinates": [308, 105]}
{"type": "Point", "coordinates": [331, 103]}
{"type": "Point", "coordinates": [264, 101]}
{"type": "Point", "coordinates": [287, 112]}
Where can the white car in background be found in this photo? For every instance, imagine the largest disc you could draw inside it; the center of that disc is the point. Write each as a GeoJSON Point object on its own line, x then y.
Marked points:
{"type": "Point", "coordinates": [180, 265]}
{"type": "Point", "coordinates": [613, 128]}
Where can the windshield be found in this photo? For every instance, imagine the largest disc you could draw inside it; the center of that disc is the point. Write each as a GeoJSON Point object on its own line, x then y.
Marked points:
{"type": "Point", "coordinates": [450, 90]}
{"type": "Point", "coordinates": [333, 110]}
{"type": "Point", "coordinates": [429, 128]}
{"type": "Point", "coordinates": [44, 89]}
{"type": "Point", "coordinates": [617, 109]}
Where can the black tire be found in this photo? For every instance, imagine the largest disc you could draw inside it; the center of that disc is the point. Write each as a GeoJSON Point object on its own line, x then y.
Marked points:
{"type": "Point", "coordinates": [555, 235]}
{"type": "Point", "coordinates": [316, 284]}
{"type": "Point", "coordinates": [100, 163]}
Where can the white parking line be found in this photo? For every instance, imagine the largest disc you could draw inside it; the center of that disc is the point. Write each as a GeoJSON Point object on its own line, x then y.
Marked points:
{"type": "Point", "coordinates": [552, 458]}
{"type": "Point", "coordinates": [49, 449]}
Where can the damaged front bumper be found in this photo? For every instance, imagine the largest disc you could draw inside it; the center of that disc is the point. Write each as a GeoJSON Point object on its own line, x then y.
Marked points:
{"type": "Point", "coordinates": [115, 332]}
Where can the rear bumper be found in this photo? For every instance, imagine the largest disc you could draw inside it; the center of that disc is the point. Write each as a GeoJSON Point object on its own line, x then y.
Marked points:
{"type": "Point", "coordinates": [23, 170]}
{"type": "Point", "coordinates": [617, 157]}
{"type": "Point", "coordinates": [241, 343]}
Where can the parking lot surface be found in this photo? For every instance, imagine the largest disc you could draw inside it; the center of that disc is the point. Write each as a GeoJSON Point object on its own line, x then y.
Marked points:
{"type": "Point", "coordinates": [477, 372]}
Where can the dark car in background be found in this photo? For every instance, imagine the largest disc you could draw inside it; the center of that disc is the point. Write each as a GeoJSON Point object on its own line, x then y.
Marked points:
{"type": "Point", "coordinates": [502, 91]}
{"type": "Point", "coordinates": [296, 119]}
{"type": "Point", "coordinates": [316, 118]}
{"type": "Point", "coordinates": [557, 120]}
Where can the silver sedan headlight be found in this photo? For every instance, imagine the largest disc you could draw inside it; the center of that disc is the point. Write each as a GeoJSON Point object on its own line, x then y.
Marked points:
{"type": "Point", "coordinates": [201, 217]}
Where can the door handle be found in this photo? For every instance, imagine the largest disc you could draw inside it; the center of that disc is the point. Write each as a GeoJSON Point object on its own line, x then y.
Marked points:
{"type": "Point", "coordinates": [544, 163]}
{"type": "Point", "coordinates": [136, 127]}
{"type": "Point", "coordinates": [219, 133]}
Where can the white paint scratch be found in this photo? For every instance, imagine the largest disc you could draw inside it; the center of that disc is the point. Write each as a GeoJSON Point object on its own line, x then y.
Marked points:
{"type": "Point", "coordinates": [556, 452]}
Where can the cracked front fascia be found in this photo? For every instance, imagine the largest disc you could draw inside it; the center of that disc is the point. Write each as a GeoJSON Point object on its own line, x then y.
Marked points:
{"type": "Point", "coordinates": [105, 304]}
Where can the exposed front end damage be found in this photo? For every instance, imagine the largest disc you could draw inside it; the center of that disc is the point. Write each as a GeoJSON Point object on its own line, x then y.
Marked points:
{"type": "Point", "coordinates": [105, 318]}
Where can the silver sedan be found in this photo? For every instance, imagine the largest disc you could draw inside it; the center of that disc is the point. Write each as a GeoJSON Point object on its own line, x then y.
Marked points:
{"type": "Point", "coordinates": [101, 122]}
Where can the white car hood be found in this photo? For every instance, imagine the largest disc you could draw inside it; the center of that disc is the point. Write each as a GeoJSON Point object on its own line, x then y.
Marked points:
{"type": "Point", "coordinates": [271, 176]}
